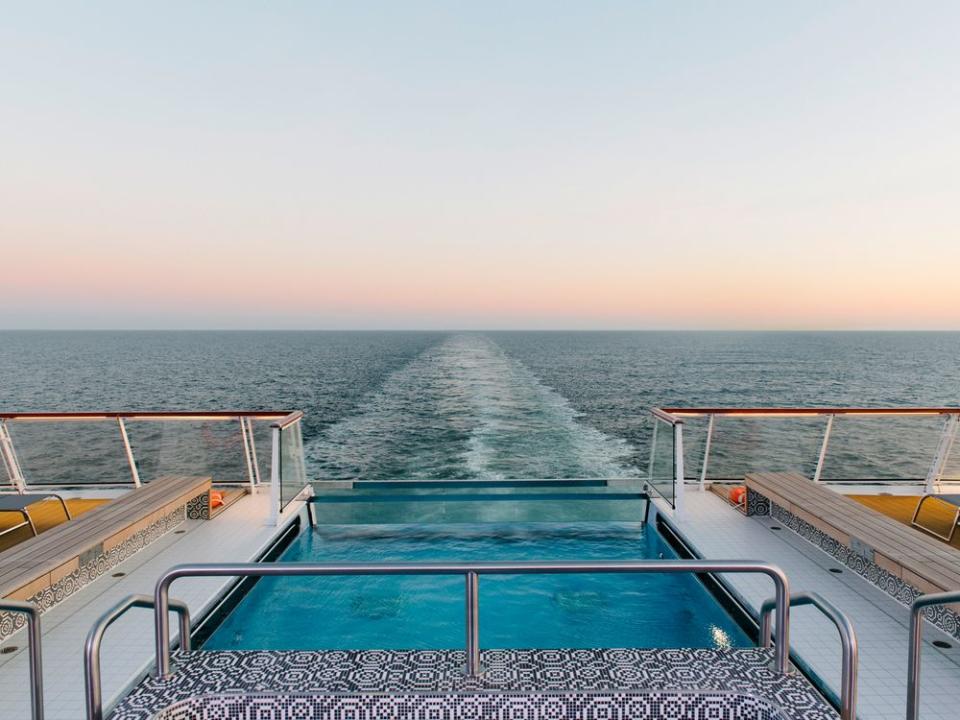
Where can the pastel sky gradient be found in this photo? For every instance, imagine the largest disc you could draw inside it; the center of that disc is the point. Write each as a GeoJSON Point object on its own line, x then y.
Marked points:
{"type": "Point", "coordinates": [480, 165]}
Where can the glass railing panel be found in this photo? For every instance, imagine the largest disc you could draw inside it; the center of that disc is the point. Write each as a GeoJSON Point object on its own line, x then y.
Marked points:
{"type": "Point", "coordinates": [189, 447]}
{"type": "Point", "coordinates": [742, 445]}
{"type": "Point", "coordinates": [882, 448]}
{"type": "Point", "coordinates": [661, 470]}
{"type": "Point", "coordinates": [70, 452]}
{"type": "Point", "coordinates": [293, 475]}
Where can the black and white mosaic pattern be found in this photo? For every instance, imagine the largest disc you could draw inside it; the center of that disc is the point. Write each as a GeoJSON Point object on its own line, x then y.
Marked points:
{"type": "Point", "coordinates": [538, 676]}
{"type": "Point", "coordinates": [861, 562]}
{"type": "Point", "coordinates": [199, 507]}
{"type": "Point", "coordinates": [757, 504]}
{"type": "Point", "coordinates": [477, 706]}
{"type": "Point", "coordinates": [90, 569]}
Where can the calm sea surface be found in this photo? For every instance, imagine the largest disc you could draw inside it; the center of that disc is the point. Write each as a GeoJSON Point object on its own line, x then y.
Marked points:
{"type": "Point", "coordinates": [503, 404]}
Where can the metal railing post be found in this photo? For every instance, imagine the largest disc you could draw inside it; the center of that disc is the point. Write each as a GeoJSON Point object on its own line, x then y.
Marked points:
{"type": "Point", "coordinates": [93, 680]}
{"type": "Point", "coordinates": [128, 450]}
{"type": "Point", "coordinates": [162, 591]}
{"type": "Point", "coordinates": [850, 661]}
{"type": "Point", "coordinates": [253, 453]}
{"type": "Point", "coordinates": [947, 437]}
{"type": "Point", "coordinates": [10, 459]}
{"type": "Point", "coordinates": [246, 453]}
{"type": "Point", "coordinates": [679, 480]}
{"type": "Point", "coordinates": [473, 623]}
{"type": "Point", "coordinates": [823, 449]}
{"type": "Point", "coordinates": [916, 645]}
{"type": "Point", "coordinates": [706, 453]}
{"type": "Point", "coordinates": [33, 647]}
{"type": "Point", "coordinates": [275, 475]}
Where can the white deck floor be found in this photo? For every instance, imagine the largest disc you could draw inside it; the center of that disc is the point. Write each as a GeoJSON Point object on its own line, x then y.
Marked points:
{"type": "Point", "coordinates": [238, 534]}
{"type": "Point", "coordinates": [718, 531]}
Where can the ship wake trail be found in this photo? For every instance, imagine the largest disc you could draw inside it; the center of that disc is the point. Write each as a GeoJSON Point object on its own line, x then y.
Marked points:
{"type": "Point", "coordinates": [464, 409]}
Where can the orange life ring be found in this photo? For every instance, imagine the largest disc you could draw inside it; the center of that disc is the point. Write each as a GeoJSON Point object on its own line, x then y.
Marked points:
{"type": "Point", "coordinates": [216, 498]}
{"type": "Point", "coordinates": [738, 495]}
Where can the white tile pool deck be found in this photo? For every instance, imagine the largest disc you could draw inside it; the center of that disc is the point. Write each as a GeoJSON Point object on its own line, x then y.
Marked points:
{"type": "Point", "coordinates": [718, 531]}
{"type": "Point", "coordinates": [238, 534]}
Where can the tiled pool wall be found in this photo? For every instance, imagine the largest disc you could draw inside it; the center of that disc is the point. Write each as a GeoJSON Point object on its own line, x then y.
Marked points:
{"type": "Point", "coordinates": [857, 559]}
{"type": "Point", "coordinates": [728, 684]}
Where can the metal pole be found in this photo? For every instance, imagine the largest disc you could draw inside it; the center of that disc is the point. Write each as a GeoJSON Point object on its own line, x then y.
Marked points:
{"type": "Point", "coordinates": [706, 455]}
{"type": "Point", "coordinates": [916, 645]}
{"type": "Point", "coordinates": [246, 452]}
{"type": "Point", "coordinates": [947, 436]}
{"type": "Point", "coordinates": [162, 590]}
{"type": "Point", "coordinates": [473, 624]}
{"type": "Point", "coordinates": [850, 662]}
{"type": "Point", "coordinates": [275, 477]}
{"type": "Point", "coordinates": [678, 471]}
{"type": "Point", "coordinates": [33, 644]}
{"type": "Point", "coordinates": [253, 452]}
{"type": "Point", "coordinates": [93, 680]}
{"type": "Point", "coordinates": [823, 449]}
{"type": "Point", "coordinates": [10, 458]}
{"type": "Point", "coordinates": [134, 473]}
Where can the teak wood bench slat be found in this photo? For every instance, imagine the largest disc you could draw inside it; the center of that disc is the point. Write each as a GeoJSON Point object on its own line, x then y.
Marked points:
{"type": "Point", "coordinates": [914, 557]}
{"type": "Point", "coordinates": [62, 546]}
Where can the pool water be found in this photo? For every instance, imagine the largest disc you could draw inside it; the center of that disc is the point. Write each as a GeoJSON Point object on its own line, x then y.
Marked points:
{"type": "Point", "coordinates": [528, 611]}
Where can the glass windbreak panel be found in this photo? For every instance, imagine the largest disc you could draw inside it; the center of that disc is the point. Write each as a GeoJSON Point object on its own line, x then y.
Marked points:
{"type": "Point", "coordinates": [882, 447]}
{"type": "Point", "coordinates": [70, 452]}
{"type": "Point", "coordinates": [951, 470]}
{"type": "Point", "coordinates": [262, 440]}
{"type": "Point", "coordinates": [662, 461]}
{"type": "Point", "coordinates": [472, 501]}
{"type": "Point", "coordinates": [743, 445]}
{"type": "Point", "coordinates": [293, 476]}
{"type": "Point", "coordinates": [189, 447]}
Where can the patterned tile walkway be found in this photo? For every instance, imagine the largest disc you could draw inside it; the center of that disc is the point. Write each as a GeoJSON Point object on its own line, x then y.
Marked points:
{"type": "Point", "coordinates": [735, 683]}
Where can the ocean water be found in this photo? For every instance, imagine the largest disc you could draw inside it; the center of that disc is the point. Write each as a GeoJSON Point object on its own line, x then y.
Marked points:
{"type": "Point", "coordinates": [462, 405]}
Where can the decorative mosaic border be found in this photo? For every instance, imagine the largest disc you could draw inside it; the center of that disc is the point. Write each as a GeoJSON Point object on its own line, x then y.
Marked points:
{"type": "Point", "coordinates": [199, 507]}
{"type": "Point", "coordinates": [860, 560]}
{"type": "Point", "coordinates": [475, 706]}
{"type": "Point", "coordinates": [439, 674]}
{"type": "Point", "coordinates": [92, 567]}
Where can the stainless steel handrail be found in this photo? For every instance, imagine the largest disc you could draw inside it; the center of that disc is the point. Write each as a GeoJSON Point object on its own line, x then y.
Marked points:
{"type": "Point", "coordinates": [33, 647]}
{"type": "Point", "coordinates": [848, 638]}
{"type": "Point", "coordinates": [91, 649]}
{"type": "Point", "coordinates": [471, 571]}
{"type": "Point", "coordinates": [916, 643]}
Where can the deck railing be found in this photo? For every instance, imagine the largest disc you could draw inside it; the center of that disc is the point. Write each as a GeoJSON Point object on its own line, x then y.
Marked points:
{"type": "Point", "coordinates": [117, 449]}
{"type": "Point", "coordinates": [875, 445]}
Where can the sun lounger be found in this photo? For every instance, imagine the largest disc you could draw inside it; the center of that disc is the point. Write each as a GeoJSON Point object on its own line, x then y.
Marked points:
{"type": "Point", "coordinates": [19, 504]}
{"type": "Point", "coordinates": [953, 500]}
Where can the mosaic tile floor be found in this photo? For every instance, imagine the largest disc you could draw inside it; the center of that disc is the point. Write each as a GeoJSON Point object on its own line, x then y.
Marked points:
{"type": "Point", "coordinates": [740, 681]}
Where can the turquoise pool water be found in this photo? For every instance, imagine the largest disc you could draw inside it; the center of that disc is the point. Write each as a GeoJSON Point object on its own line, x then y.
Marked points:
{"type": "Point", "coordinates": [570, 611]}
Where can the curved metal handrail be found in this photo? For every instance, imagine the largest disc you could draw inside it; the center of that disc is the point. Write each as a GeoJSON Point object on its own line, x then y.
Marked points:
{"type": "Point", "coordinates": [848, 638]}
{"type": "Point", "coordinates": [916, 643]}
{"type": "Point", "coordinates": [471, 573]}
{"type": "Point", "coordinates": [91, 648]}
{"type": "Point", "coordinates": [33, 647]}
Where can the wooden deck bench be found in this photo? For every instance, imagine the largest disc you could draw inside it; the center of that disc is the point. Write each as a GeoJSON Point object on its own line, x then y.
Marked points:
{"type": "Point", "coordinates": [82, 547]}
{"type": "Point", "coordinates": [919, 560]}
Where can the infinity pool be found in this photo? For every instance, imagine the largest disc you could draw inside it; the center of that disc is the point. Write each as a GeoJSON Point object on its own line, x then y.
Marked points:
{"type": "Point", "coordinates": [529, 611]}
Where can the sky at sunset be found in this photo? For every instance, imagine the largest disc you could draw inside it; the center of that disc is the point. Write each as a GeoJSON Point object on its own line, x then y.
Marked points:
{"type": "Point", "coordinates": [682, 165]}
